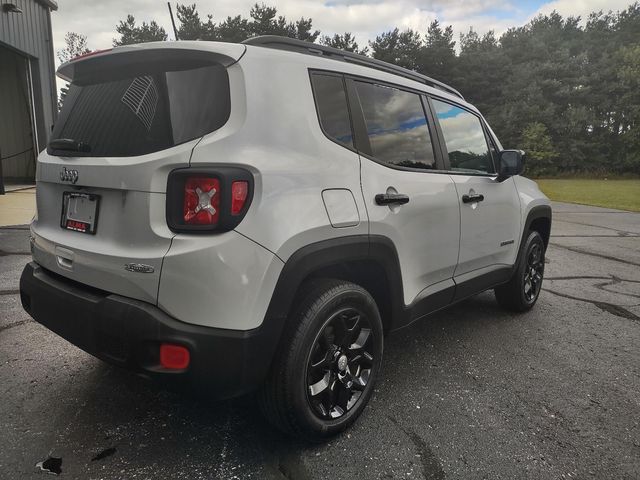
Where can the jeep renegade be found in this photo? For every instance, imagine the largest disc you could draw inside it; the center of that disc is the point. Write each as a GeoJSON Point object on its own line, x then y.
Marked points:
{"type": "Point", "coordinates": [258, 216]}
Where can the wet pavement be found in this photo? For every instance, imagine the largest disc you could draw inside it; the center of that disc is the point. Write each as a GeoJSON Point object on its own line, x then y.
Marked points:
{"type": "Point", "coordinates": [472, 392]}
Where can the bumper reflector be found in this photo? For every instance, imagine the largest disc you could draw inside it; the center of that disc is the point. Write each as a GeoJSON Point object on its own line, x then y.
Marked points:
{"type": "Point", "coordinates": [174, 357]}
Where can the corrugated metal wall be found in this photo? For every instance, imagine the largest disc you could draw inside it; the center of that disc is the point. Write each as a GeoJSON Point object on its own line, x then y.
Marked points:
{"type": "Point", "coordinates": [29, 34]}
{"type": "Point", "coordinates": [15, 117]}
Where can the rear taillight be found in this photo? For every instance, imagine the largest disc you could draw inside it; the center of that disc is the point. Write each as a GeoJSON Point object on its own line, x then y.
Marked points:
{"type": "Point", "coordinates": [207, 200]}
{"type": "Point", "coordinates": [239, 192]}
{"type": "Point", "coordinates": [201, 204]}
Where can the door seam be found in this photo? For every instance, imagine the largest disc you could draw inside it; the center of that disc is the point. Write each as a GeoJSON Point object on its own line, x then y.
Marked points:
{"type": "Point", "coordinates": [455, 270]}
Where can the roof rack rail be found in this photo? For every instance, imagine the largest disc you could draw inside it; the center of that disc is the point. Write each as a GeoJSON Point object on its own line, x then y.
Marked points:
{"type": "Point", "coordinates": [295, 45]}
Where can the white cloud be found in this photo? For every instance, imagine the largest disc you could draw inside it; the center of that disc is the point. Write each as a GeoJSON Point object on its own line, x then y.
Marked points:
{"type": "Point", "coordinates": [364, 18]}
{"type": "Point", "coordinates": [581, 8]}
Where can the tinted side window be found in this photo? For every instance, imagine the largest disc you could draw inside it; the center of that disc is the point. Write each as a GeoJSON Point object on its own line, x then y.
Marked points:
{"type": "Point", "coordinates": [331, 103]}
{"type": "Point", "coordinates": [397, 126]}
{"type": "Point", "coordinates": [464, 138]}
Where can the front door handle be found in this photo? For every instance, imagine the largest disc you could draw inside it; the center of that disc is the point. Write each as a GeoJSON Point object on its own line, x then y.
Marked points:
{"type": "Point", "coordinates": [472, 198]}
{"type": "Point", "coordinates": [391, 199]}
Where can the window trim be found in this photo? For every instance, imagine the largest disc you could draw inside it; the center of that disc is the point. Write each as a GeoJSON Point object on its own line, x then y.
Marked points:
{"type": "Point", "coordinates": [492, 141]}
{"type": "Point", "coordinates": [362, 143]}
{"type": "Point", "coordinates": [358, 127]}
{"type": "Point", "coordinates": [445, 151]}
{"type": "Point", "coordinates": [327, 73]}
{"type": "Point", "coordinates": [437, 133]}
{"type": "Point", "coordinates": [359, 130]}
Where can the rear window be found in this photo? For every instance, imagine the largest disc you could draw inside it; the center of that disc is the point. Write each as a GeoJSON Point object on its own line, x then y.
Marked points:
{"type": "Point", "coordinates": [142, 114]}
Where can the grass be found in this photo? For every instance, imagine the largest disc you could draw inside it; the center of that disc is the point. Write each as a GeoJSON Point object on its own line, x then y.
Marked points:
{"type": "Point", "coordinates": [623, 194]}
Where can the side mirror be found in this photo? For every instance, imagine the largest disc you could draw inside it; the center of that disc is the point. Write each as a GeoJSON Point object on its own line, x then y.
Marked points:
{"type": "Point", "coordinates": [510, 163]}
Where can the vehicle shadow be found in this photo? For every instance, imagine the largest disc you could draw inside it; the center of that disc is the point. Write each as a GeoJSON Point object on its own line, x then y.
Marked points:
{"type": "Point", "coordinates": [153, 429]}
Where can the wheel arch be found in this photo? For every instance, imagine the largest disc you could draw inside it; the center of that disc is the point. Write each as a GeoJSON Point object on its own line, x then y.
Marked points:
{"type": "Point", "coordinates": [542, 225]}
{"type": "Point", "coordinates": [539, 220]}
{"type": "Point", "coordinates": [368, 260]}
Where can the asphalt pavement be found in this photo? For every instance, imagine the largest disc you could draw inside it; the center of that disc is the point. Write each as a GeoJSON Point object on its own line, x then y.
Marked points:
{"type": "Point", "coordinates": [472, 392]}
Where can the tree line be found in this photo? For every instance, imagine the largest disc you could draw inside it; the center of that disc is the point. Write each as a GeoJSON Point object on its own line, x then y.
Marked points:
{"type": "Point", "coordinates": [564, 90]}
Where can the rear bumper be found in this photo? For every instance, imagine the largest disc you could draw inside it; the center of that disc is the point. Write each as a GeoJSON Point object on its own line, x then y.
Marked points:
{"type": "Point", "coordinates": [128, 332]}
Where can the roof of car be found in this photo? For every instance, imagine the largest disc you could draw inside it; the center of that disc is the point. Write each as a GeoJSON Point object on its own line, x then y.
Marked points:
{"type": "Point", "coordinates": [229, 53]}
{"type": "Point", "coordinates": [299, 46]}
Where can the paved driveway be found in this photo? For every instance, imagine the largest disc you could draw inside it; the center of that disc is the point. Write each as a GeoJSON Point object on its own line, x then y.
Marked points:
{"type": "Point", "coordinates": [473, 392]}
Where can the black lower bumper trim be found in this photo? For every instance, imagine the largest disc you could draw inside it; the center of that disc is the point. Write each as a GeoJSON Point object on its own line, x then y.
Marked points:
{"type": "Point", "coordinates": [128, 332]}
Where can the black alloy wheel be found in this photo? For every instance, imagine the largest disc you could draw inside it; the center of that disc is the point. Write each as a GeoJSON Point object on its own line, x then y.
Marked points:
{"type": "Point", "coordinates": [533, 272]}
{"type": "Point", "coordinates": [521, 292]}
{"type": "Point", "coordinates": [324, 372]}
{"type": "Point", "coordinates": [340, 363]}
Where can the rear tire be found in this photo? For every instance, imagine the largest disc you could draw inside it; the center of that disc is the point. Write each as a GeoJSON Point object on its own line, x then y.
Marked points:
{"type": "Point", "coordinates": [521, 292]}
{"type": "Point", "coordinates": [330, 355]}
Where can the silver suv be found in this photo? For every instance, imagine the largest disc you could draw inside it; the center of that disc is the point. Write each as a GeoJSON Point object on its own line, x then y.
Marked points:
{"type": "Point", "coordinates": [258, 216]}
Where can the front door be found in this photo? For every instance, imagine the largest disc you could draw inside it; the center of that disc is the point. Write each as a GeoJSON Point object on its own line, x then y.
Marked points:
{"type": "Point", "coordinates": [489, 209]}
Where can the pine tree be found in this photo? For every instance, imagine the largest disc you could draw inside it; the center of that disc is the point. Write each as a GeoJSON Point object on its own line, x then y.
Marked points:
{"type": "Point", "coordinates": [75, 45]}
{"type": "Point", "coordinates": [401, 48]}
{"type": "Point", "coordinates": [541, 154]}
{"type": "Point", "coordinates": [346, 42]}
{"type": "Point", "coordinates": [130, 33]}
{"type": "Point", "coordinates": [438, 56]}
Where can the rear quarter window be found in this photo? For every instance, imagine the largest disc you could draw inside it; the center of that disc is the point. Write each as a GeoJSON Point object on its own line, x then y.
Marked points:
{"type": "Point", "coordinates": [331, 105]}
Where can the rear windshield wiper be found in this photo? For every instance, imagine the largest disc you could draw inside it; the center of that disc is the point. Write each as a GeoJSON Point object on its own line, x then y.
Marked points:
{"type": "Point", "coordinates": [69, 144]}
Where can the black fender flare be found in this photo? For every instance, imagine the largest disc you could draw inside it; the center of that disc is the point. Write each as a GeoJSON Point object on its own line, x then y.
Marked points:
{"type": "Point", "coordinates": [539, 211]}
{"type": "Point", "coordinates": [316, 256]}
{"type": "Point", "coordinates": [303, 263]}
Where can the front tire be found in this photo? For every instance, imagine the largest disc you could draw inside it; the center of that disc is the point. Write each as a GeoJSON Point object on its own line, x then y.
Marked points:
{"type": "Point", "coordinates": [521, 292]}
{"type": "Point", "coordinates": [331, 353]}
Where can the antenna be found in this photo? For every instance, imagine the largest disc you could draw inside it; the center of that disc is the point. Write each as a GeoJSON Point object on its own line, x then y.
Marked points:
{"type": "Point", "coordinates": [173, 22]}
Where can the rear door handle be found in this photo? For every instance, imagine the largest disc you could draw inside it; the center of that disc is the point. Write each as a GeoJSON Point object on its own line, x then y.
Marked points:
{"type": "Point", "coordinates": [474, 197]}
{"type": "Point", "coordinates": [391, 199]}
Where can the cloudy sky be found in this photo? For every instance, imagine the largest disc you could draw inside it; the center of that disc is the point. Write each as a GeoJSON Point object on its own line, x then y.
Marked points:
{"type": "Point", "coordinates": [364, 18]}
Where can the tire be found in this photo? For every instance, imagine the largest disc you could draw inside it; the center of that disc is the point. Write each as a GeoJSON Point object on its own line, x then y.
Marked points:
{"type": "Point", "coordinates": [521, 292]}
{"type": "Point", "coordinates": [329, 358]}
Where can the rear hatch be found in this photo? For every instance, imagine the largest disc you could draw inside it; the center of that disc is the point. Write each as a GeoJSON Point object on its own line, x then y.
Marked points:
{"type": "Point", "coordinates": [130, 117]}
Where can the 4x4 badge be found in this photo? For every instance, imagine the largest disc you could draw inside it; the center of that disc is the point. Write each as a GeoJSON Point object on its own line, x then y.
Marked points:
{"type": "Point", "coordinates": [139, 268]}
{"type": "Point", "coordinates": [68, 175]}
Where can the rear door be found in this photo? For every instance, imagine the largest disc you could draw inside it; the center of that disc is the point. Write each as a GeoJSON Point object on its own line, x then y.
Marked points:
{"type": "Point", "coordinates": [399, 164]}
{"type": "Point", "coordinates": [489, 209]}
{"type": "Point", "coordinates": [130, 117]}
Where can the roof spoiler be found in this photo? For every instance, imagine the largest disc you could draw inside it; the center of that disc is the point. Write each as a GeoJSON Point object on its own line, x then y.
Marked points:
{"type": "Point", "coordinates": [137, 59]}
